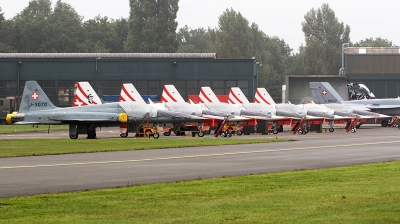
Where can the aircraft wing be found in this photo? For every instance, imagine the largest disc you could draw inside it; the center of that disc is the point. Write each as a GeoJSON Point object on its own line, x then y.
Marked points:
{"type": "Point", "coordinates": [233, 118]}
{"type": "Point", "coordinates": [377, 106]}
{"type": "Point", "coordinates": [26, 122]}
{"type": "Point", "coordinates": [338, 118]}
{"type": "Point", "coordinates": [271, 118]}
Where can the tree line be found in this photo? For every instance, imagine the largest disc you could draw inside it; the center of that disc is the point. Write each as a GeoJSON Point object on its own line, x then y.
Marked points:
{"type": "Point", "coordinates": [152, 28]}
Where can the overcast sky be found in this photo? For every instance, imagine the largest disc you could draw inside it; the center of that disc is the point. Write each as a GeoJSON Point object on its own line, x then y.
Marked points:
{"type": "Point", "coordinates": [281, 18]}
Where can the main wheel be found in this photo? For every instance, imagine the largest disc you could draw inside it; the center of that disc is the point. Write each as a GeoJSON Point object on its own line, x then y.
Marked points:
{"type": "Point", "coordinates": [223, 134]}
{"type": "Point", "coordinates": [239, 132]}
{"type": "Point", "coordinates": [331, 129]}
{"type": "Point", "coordinates": [300, 132]}
{"type": "Point", "coordinates": [91, 134]}
{"type": "Point", "coordinates": [353, 130]}
{"type": "Point", "coordinates": [201, 134]}
{"type": "Point", "coordinates": [124, 135]}
{"type": "Point", "coordinates": [167, 133]}
{"type": "Point", "coordinates": [73, 136]}
{"type": "Point", "coordinates": [384, 123]}
{"type": "Point", "coordinates": [156, 135]}
{"type": "Point", "coordinates": [275, 131]}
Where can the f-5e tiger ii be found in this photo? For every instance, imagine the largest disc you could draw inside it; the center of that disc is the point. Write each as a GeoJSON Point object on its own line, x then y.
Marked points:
{"type": "Point", "coordinates": [36, 108]}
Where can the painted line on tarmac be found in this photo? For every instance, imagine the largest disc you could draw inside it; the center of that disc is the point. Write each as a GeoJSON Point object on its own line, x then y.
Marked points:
{"type": "Point", "coordinates": [194, 156]}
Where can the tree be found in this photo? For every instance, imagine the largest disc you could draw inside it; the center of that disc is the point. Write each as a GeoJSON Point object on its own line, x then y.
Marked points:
{"type": "Point", "coordinates": [152, 26]}
{"type": "Point", "coordinates": [101, 35]}
{"type": "Point", "coordinates": [121, 28]}
{"type": "Point", "coordinates": [31, 26]}
{"type": "Point", "coordinates": [194, 41]}
{"type": "Point", "coordinates": [371, 42]}
{"type": "Point", "coordinates": [324, 36]}
{"type": "Point", "coordinates": [232, 39]}
{"type": "Point", "coordinates": [66, 33]}
{"type": "Point", "coordinates": [4, 34]}
{"type": "Point", "coordinates": [235, 38]}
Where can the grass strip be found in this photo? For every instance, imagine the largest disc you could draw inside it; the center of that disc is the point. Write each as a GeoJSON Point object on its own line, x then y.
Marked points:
{"type": "Point", "coordinates": [8, 129]}
{"type": "Point", "coordinates": [35, 147]}
{"type": "Point", "coordinates": [355, 194]}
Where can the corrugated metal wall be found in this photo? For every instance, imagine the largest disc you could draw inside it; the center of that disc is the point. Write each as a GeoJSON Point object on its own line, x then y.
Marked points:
{"type": "Point", "coordinates": [376, 67]}
{"type": "Point", "coordinates": [58, 73]}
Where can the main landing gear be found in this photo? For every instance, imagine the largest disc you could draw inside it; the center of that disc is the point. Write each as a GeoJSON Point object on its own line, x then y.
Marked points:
{"type": "Point", "coordinates": [76, 129]}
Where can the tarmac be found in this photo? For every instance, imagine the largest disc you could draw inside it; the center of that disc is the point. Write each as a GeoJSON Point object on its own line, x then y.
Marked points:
{"type": "Point", "coordinates": [366, 130]}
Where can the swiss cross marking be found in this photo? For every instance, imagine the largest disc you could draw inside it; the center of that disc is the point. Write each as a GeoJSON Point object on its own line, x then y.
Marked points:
{"type": "Point", "coordinates": [35, 96]}
{"type": "Point", "coordinates": [78, 103]}
{"type": "Point", "coordinates": [324, 92]}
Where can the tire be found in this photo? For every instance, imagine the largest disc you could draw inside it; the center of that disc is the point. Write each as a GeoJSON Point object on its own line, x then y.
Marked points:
{"type": "Point", "coordinates": [73, 136]}
{"type": "Point", "coordinates": [331, 129]}
{"type": "Point", "coordinates": [275, 131]}
{"type": "Point", "coordinates": [229, 135]}
{"type": "Point", "coordinates": [168, 133]}
{"type": "Point", "coordinates": [148, 133]}
{"type": "Point", "coordinates": [91, 134]}
{"type": "Point", "coordinates": [156, 135]}
{"type": "Point", "coordinates": [384, 123]}
{"type": "Point", "coordinates": [201, 134]}
{"type": "Point", "coordinates": [124, 135]}
{"type": "Point", "coordinates": [300, 132]}
{"type": "Point", "coordinates": [223, 134]}
{"type": "Point", "coordinates": [239, 132]}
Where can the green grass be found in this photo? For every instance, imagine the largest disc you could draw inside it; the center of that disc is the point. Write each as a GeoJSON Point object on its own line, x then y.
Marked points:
{"type": "Point", "coordinates": [8, 129]}
{"type": "Point", "coordinates": [356, 194]}
{"type": "Point", "coordinates": [31, 147]}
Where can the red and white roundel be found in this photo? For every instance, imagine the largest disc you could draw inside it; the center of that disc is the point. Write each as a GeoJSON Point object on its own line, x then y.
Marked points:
{"type": "Point", "coordinates": [324, 92]}
{"type": "Point", "coordinates": [35, 95]}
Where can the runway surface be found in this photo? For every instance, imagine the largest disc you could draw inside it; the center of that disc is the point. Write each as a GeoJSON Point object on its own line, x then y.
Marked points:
{"type": "Point", "coordinates": [64, 173]}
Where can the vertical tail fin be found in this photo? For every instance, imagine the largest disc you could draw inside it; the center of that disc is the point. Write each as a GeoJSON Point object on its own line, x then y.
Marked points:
{"type": "Point", "coordinates": [130, 94]}
{"type": "Point", "coordinates": [262, 96]}
{"type": "Point", "coordinates": [323, 93]}
{"type": "Point", "coordinates": [85, 95]}
{"type": "Point", "coordinates": [207, 95]}
{"type": "Point", "coordinates": [170, 94]}
{"type": "Point", "coordinates": [236, 96]}
{"type": "Point", "coordinates": [34, 98]}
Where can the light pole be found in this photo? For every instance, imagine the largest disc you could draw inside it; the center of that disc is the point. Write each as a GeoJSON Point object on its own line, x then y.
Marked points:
{"type": "Point", "coordinates": [342, 70]}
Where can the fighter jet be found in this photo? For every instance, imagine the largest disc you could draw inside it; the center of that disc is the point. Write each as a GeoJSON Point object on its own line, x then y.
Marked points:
{"type": "Point", "coordinates": [36, 108]}
{"type": "Point", "coordinates": [324, 93]}
{"type": "Point", "coordinates": [226, 117]}
{"type": "Point", "coordinates": [254, 111]}
{"type": "Point", "coordinates": [313, 113]}
{"type": "Point", "coordinates": [130, 94]}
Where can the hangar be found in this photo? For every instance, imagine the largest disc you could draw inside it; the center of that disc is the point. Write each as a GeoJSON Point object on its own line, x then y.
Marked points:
{"type": "Point", "coordinates": [376, 67]}
{"type": "Point", "coordinates": [58, 73]}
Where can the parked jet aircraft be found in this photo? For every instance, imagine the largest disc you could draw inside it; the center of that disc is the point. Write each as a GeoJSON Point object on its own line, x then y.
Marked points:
{"type": "Point", "coordinates": [312, 111]}
{"type": "Point", "coordinates": [216, 116]}
{"type": "Point", "coordinates": [36, 108]}
{"type": "Point", "coordinates": [324, 93]}
{"type": "Point", "coordinates": [129, 93]}
{"type": "Point", "coordinates": [255, 111]}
